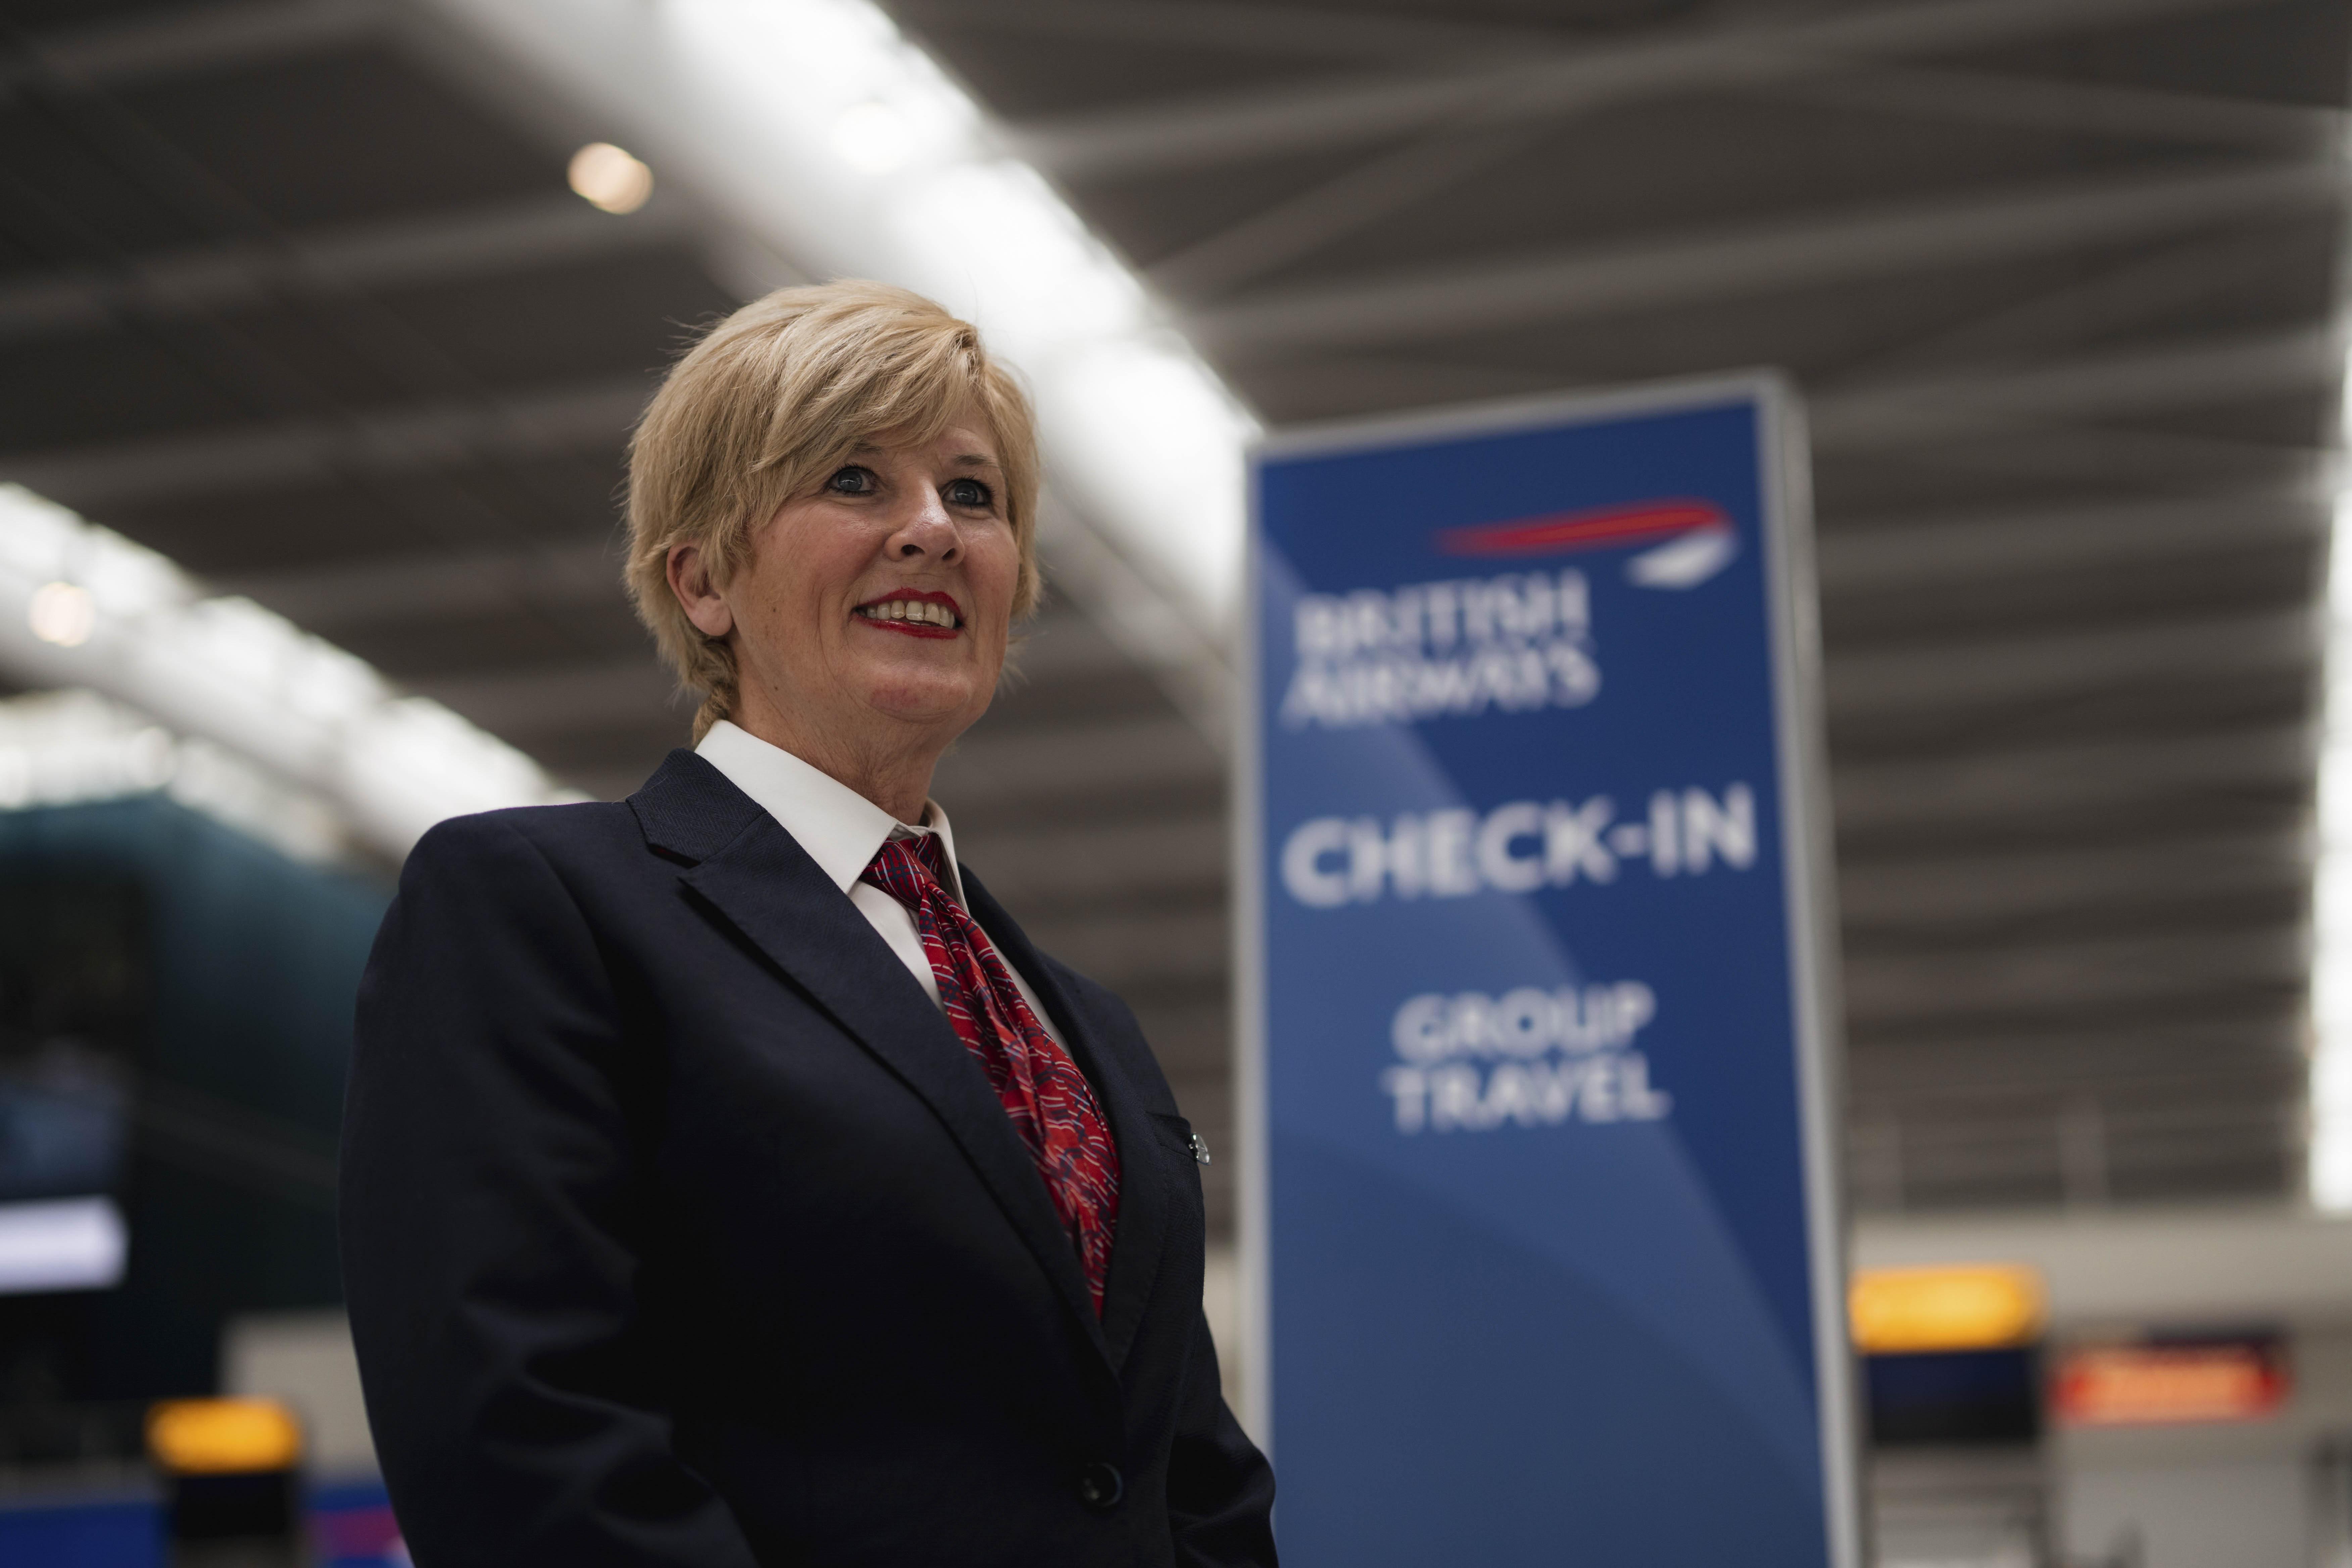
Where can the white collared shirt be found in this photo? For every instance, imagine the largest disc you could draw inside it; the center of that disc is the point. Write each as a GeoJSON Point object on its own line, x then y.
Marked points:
{"type": "Point", "coordinates": [842, 831]}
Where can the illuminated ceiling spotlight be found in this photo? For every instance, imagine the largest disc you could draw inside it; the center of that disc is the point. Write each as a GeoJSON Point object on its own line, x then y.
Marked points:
{"type": "Point", "coordinates": [873, 138]}
{"type": "Point", "coordinates": [607, 177]}
{"type": "Point", "coordinates": [63, 614]}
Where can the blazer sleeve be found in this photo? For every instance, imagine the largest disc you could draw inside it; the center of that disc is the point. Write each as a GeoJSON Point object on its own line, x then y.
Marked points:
{"type": "Point", "coordinates": [494, 1215]}
{"type": "Point", "coordinates": [1220, 1487]}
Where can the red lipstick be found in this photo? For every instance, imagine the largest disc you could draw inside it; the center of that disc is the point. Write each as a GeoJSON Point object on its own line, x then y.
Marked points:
{"type": "Point", "coordinates": [914, 613]}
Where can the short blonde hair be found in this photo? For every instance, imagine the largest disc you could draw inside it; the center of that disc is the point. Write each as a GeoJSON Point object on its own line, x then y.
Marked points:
{"type": "Point", "coordinates": [771, 401]}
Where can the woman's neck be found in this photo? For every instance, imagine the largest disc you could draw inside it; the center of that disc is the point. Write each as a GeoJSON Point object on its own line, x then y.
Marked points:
{"type": "Point", "coordinates": [889, 765]}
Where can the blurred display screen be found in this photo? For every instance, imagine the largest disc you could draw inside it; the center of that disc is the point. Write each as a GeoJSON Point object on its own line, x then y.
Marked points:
{"type": "Point", "coordinates": [73, 1005]}
{"type": "Point", "coordinates": [1940, 1398]}
{"type": "Point", "coordinates": [63, 1128]}
{"type": "Point", "coordinates": [62, 1244]}
{"type": "Point", "coordinates": [2171, 1383]}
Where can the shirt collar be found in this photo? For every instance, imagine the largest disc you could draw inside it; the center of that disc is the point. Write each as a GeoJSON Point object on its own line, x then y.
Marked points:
{"type": "Point", "coordinates": [840, 829]}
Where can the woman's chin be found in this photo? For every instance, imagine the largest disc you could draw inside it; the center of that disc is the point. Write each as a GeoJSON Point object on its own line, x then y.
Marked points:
{"type": "Point", "coordinates": [932, 700]}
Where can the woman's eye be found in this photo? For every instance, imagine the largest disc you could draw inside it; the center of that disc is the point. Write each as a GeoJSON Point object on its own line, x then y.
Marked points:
{"type": "Point", "coordinates": [852, 480]}
{"type": "Point", "coordinates": [967, 492]}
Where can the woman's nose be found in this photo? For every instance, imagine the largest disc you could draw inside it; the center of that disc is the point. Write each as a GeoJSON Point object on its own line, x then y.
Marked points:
{"type": "Point", "coordinates": [928, 529]}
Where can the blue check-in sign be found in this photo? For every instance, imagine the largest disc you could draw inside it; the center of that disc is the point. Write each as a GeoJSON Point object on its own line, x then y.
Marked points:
{"type": "Point", "coordinates": [1543, 1234]}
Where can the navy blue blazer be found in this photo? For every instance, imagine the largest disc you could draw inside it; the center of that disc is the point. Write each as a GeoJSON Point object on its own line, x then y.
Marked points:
{"type": "Point", "coordinates": [680, 1231]}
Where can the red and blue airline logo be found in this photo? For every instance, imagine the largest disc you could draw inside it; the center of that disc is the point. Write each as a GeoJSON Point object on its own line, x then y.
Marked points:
{"type": "Point", "coordinates": [1687, 541]}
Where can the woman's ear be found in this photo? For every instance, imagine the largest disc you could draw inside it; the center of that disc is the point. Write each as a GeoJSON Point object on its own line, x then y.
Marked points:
{"type": "Point", "coordinates": [689, 579]}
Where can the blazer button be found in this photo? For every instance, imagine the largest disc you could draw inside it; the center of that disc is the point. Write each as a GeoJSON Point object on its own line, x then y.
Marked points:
{"type": "Point", "coordinates": [1100, 1486]}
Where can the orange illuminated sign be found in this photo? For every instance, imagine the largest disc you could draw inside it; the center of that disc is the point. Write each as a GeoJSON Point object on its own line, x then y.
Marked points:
{"type": "Point", "coordinates": [2162, 1384]}
{"type": "Point", "coordinates": [223, 1436]}
{"type": "Point", "coordinates": [1963, 1308]}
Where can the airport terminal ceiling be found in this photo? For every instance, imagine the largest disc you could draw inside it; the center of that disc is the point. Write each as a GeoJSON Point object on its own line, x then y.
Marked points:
{"type": "Point", "coordinates": [295, 293]}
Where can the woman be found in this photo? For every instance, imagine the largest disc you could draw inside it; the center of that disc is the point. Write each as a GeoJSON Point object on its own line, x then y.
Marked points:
{"type": "Point", "coordinates": [726, 1179]}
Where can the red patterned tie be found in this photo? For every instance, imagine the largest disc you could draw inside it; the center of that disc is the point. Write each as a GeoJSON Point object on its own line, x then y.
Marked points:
{"type": "Point", "coordinates": [1051, 1104]}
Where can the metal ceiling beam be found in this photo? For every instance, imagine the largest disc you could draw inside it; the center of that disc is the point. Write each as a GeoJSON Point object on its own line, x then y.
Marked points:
{"type": "Point", "coordinates": [2022, 1086]}
{"type": "Point", "coordinates": [2105, 460]}
{"type": "Point", "coordinates": [2047, 975]}
{"type": "Point", "coordinates": [204, 37]}
{"type": "Point", "coordinates": [2116, 297]}
{"type": "Point", "coordinates": [2122, 1057]}
{"type": "Point", "coordinates": [1889, 894]}
{"type": "Point", "coordinates": [1216, 265]}
{"type": "Point", "coordinates": [2169, 376]}
{"type": "Point", "coordinates": [1097, 760]}
{"type": "Point", "coordinates": [378, 256]}
{"type": "Point", "coordinates": [2084, 1139]}
{"type": "Point", "coordinates": [1119, 862]}
{"type": "Point", "coordinates": [1294, 118]}
{"type": "Point", "coordinates": [378, 591]}
{"type": "Point", "coordinates": [525, 705]}
{"type": "Point", "coordinates": [2129, 1054]}
{"type": "Point", "coordinates": [1972, 790]}
{"type": "Point", "coordinates": [459, 433]}
{"type": "Point", "coordinates": [2079, 1152]}
{"type": "Point", "coordinates": [2006, 670]}
{"type": "Point", "coordinates": [1222, 27]}
{"type": "Point", "coordinates": [1875, 556]}
{"type": "Point", "coordinates": [1954, 1121]}
{"type": "Point", "coordinates": [1313, 218]}
{"type": "Point", "coordinates": [2082, 107]}
{"type": "Point", "coordinates": [1946, 234]}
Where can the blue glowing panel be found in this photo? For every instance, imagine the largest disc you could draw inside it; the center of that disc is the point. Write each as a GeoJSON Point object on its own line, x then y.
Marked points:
{"type": "Point", "coordinates": [110, 1532]}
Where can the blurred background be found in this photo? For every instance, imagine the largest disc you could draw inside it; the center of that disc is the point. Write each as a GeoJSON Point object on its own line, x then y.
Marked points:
{"type": "Point", "coordinates": [323, 324]}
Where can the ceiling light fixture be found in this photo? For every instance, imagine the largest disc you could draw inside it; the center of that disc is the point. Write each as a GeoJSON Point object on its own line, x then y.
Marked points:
{"type": "Point", "coordinates": [605, 176]}
{"type": "Point", "coordinates": [228, 671]}
{"type": "Point", "coordinates": [63, 614]}
{"type": "Point", "coordinates": [873, 138]}
{"type": "Point", "coordinates": [2328, 1156]}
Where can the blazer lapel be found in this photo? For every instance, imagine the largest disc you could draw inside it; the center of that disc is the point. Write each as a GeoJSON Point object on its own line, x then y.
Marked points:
{"type": "Point", "coordinates": [1145, 1203]}
{"type": "Point", "coordinates": [762, 882]}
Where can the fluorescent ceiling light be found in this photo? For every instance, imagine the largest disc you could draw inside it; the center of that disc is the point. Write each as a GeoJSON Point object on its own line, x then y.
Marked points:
{"type": "Point", "coordinates": [2328, 1169]}
{"type": "Point", "coordinates": [874, 138]}
{"type": "Point", "coordinates": [2331, 976]}
{"type": "Point", "coordinates": [63, 1244]}
{"type": "Point", "coordinates": [826, 133]}
{"type": "Point", "coordinates": [226, 672]}
{"type": "Point", "coordinates": [69, 748]}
